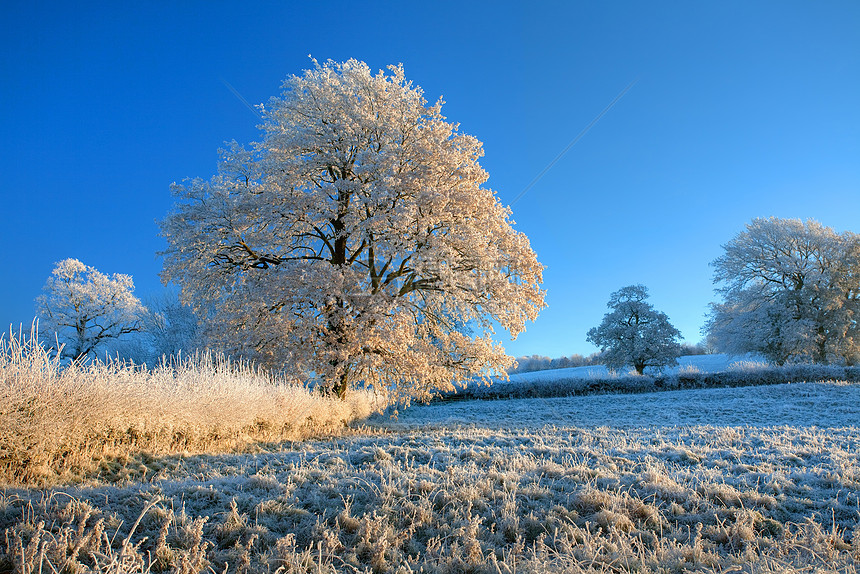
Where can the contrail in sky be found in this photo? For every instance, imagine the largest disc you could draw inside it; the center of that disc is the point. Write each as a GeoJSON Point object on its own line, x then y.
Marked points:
{"type": "Point", "coordinates": [241, 99]}
{"type": "Point", "coordinates": [572, 143]}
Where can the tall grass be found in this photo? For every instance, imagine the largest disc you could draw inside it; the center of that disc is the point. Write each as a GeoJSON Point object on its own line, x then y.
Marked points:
{"type": "Point", "coordinates": [59, 422]}
{"type": "Point", "coordinates": [749, 366]}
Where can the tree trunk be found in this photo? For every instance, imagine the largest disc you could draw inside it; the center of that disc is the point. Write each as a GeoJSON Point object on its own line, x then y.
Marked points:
{"type": "Point", "coordinates": [338, 259]}
{"type": "Point", "coordinates": [822, 345]}
{"type": "Point", "coordinates": [341, 386]}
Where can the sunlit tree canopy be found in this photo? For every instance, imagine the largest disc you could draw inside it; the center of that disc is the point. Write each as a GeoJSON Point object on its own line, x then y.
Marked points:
{"type": "Point", "coordinates": [356, 242]}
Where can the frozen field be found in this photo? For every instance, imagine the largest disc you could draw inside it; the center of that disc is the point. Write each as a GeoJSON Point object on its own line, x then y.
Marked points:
{"type": "Point", "coordinates": [760, 479]}
{"type": "Point", "coordinates": [798, 404]}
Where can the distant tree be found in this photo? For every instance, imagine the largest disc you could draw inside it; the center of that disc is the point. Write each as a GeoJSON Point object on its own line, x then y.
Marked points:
{"type": "Point", "coordinates": [708, 344]}
{"type": "Point", "coordinates": [560, 363]}
{"type": "Point", "coordinates": [171, 327]}
{"type": "Point", "coordinates": [576, 360]}
{"type": "Point", "coordinates": [82, 308]}
{"type": "Point", "coordinates": [530, 364]}
{"type": "Point", "coordinates": [356, 242]}
{"type": "Point", "coordinates": [790, 292]}
{"type": "Point", "coordinates": [168, 328]}
{"type": "Point", "coordinates": [689, 349]}
{"type": "Point", "coordinates": [594, 359]}
{"type": "Point", "coordinates": [634, 334]}
{"type": "Point", "coordinates": [542, 363]}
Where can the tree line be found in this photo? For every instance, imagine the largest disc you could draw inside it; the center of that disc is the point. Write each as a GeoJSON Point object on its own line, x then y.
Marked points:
{"type": "Point", "coordinates": [532, 363]}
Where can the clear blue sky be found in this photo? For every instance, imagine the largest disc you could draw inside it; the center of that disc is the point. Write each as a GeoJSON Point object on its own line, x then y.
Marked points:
{"type": "Point", "coordinates": [742, 109]}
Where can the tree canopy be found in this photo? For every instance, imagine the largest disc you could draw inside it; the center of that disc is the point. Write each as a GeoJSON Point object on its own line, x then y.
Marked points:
{"type": "Point", "coordinates": [82, 308]}
{"type": "Point", "coordinates": [634, 334]}
{"type": "Point", "coordinates": [790, 291]}
{"type": "Point", "coordinates": [356, 242]}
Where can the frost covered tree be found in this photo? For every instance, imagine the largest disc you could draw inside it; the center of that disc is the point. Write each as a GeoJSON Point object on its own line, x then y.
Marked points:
{"type": "Point", "coordinates": [82, 308]}
{"type": "Point", "coordinates": [634, 334]}
{"type": "Point", "coordinates": [356, 242]}
{"type": "Point", "coordinates": [169, 327]}
{"type": "Point", "coordinates": [790, 292]}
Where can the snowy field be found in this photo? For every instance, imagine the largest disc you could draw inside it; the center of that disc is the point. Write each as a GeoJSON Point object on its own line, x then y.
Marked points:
{"type": "Point", "coordinates": [700, 363]}
{"type": "Point", "coordinates": [826, 405]}
{"type": "Point", "coordinates": [717, 480]}
{"type": "Point", "coordinates": [695, 371]}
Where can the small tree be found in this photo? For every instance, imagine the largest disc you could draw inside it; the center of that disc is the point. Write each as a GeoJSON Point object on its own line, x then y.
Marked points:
{"type": "Point", "coordinates": [791, 292]}
{"type": "Point", "coordinates": [170, 327]}
{"type": "Point", "coordinates": [356, 243]}
{"type": "Point", "coordinates": [82, 308]}
{"type": "Point", "coordinates": [634, 333]}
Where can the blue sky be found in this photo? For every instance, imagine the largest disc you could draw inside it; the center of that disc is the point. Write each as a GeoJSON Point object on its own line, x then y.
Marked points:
{"type": "Point", "coordinates": [741, 110]}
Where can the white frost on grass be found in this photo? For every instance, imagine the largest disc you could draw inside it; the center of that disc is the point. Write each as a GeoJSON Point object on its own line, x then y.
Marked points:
{"type": "Point", "coordinates": [830, 405]}
{"type": "Point", "coordinates": [611, 483]}
{"type": "Point", "coordinates": [664, 500]}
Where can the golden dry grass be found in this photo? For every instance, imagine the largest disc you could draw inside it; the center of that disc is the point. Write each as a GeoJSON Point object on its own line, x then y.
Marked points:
{"type": "Point", "coordinates": [58, 423]}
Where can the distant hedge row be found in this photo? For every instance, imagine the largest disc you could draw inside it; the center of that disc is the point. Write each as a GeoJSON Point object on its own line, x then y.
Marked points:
{"type": "Point", "coordinates": [571, 386]}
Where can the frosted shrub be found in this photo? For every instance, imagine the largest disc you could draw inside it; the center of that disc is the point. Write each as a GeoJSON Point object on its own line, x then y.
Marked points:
{"type": "Point", "coordinates": [687, 370]}
{"type": "Point", "coordinates": [748, 366]}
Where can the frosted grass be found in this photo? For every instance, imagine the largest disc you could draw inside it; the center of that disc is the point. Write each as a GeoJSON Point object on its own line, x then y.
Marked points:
{"type": "Point", "coordinates": [449, 500]}
{"type": "Point", "coordinates": [748, 479]}
{"type": "Point", "coordinates": [825, 404]}
{"type": "Point", "coordinates": [59, 424]}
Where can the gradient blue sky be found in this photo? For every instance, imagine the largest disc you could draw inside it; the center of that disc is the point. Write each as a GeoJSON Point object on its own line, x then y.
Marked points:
{"type": "Point", "coordinates": [741, 110]}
